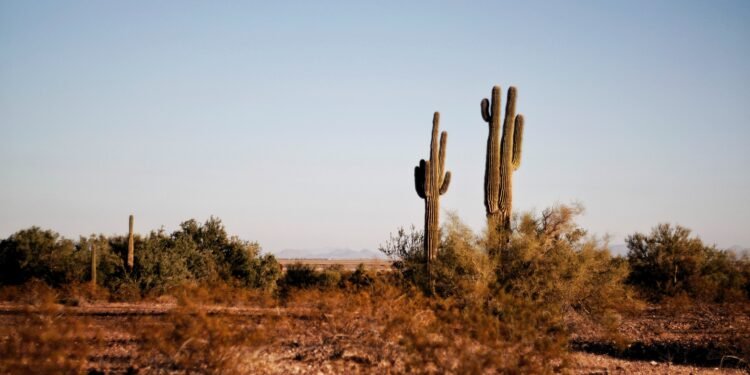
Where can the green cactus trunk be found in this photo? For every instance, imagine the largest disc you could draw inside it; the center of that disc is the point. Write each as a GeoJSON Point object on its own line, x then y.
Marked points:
{"type": "Point", "coordinates": [93, 266]}
{"type": "Point", "coordinates": [131, 245]}
{"type": "Point", "coordinates": [503, 158]}
{"type": "Point", "coordinates": [431, 181]}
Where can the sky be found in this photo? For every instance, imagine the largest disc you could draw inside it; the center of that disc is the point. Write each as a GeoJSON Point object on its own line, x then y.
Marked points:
{"type": "Point", "coordinates": [299, 123]}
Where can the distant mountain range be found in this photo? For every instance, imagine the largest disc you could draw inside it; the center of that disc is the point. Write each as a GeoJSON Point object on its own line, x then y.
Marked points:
{"type": "Point", "coordinates": [328, 254]}
{"type": "Point", "coordinates": [340, 254]}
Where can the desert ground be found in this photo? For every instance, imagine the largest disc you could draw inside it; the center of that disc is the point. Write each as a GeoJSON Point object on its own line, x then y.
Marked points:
{"type": "Point", "coordinates": [324, 333]}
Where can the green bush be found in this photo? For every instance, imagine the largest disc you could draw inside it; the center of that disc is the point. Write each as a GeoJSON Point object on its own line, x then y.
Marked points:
{"type": "Point", "coordinates": [196, 253]}
{"type": "Point", "coordinates": [266, 270]}
{"type": "Point", "coordinates": [669, 261]}
{"type": "Point", "coordinates": [158, 264]}
{"type": "Point", "coordinates": [462, 267]}
{"type": "Point", "coordinates": [36, 253]}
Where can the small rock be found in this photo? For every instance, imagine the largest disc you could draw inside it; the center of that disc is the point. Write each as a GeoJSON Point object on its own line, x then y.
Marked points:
{"type": "Point", "coordinates": [654, 363]}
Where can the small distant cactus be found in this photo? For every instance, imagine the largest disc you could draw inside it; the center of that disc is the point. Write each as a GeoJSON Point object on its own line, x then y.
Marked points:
{"type": "Point", "coordinates": [131, 245]}
{"type": "Point", "coordinates": [93, 265]}
{"type": "Point", "coordinates": [503, 158]}
{"type": "Point", "coordinates": [431, 181]}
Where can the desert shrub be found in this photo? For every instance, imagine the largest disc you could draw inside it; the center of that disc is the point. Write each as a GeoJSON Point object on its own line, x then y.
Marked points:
{"type": "Point", "coordinates": [550, 261]}
{"type": "Point", "coordinates": [299, 275]}
{"type": "Point", "coordinates": [670, 261]}
{"type": "Point", "coordinates": [461, 267]}
{"type": "Point", "coordinates": [406, 251]}
{"type": "Point", "coordinates": [361, 278]}
{"type": "Point", "coordinates": [302, 276]}
{"type": "Point", "coordinates": [330, 277]}
{"type": "Point", "coordinates": [266, 270]}
{"type": "Point", "coordinates": [248, 267]}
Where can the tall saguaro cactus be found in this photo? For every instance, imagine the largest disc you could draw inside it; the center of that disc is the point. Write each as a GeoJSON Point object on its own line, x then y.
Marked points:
{"type": "Point", "coordinates": [503, 158]}
{"type": "Point", "coordinates": [131, 245]}
{"type": "Point", "coordinates": [431, 181]}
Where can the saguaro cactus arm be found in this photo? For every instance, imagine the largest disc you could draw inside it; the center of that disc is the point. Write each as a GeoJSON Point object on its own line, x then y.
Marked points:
{"type": "Point", "coordinates": [486, 110]}
{"type": "Point", "coordinates": [517, 142]}
{"type": "Point", "coordinates": [419, 179]}
{"type": "Point", "coordinates": [446, 182]}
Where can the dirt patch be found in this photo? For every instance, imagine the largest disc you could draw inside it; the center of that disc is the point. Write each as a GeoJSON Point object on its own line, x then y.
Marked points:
{"type": "Point", "coordinates": [706, 335]}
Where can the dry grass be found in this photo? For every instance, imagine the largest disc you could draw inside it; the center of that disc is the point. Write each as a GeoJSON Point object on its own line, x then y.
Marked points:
{"type": "Point", "coordinates": [42, 339]}
{"type": "Point", "coordinates": [361, 330]}
{"type": "Point", "coordinates": [378, 329]}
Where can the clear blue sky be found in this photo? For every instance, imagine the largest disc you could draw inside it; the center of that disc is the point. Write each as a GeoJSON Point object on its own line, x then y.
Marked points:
{"type": "Point", "coordinates": [299, 123]}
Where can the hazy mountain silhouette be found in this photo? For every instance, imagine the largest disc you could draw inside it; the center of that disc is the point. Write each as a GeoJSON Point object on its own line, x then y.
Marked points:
{"type": "Point", "coordinates": [739, 250]}
{"type": "Point", "coordinates": [328, 254]}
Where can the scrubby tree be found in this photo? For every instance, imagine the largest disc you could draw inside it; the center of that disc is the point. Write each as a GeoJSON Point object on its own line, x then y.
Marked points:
{"type": "Point", "coordinates": [670, 261]}
{"type": "Point", "coordinates": [666, 260]}
{"type": "Point", "coordinates": [196, 253]}
{"type": "Point", "coordinates": [37, 253]}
